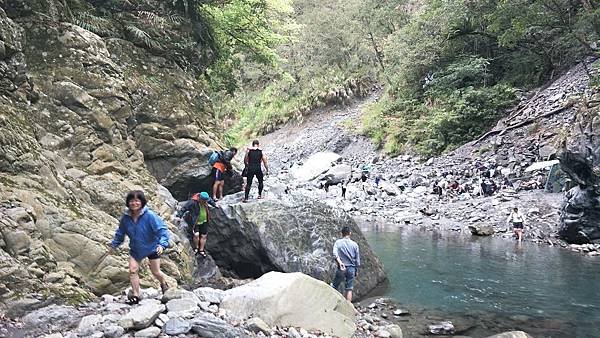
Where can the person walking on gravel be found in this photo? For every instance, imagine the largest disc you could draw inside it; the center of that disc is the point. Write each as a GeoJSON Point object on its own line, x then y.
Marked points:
{"type": "Point", "coordinates": [254, 159]}
{"type": "Point", "coordinates": [347, 257]}
{"type": "Point", "coordinates": [148, 238]}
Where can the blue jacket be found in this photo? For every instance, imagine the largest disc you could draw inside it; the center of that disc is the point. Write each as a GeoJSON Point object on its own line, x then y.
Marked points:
{"type": "Point", "coordinates": [144, 236]}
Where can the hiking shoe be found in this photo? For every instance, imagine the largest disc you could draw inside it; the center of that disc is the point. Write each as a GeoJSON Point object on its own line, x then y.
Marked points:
{"type": "Point", "coordinates": [164, 287]}
{"type": "Point", "coordinates": [133, 300]}
{"type": "Point", "coordinates": [245, 200]}
{"type": "Point", "coordinates": [259, 197]}
{"type": "Point", "coordinates": [202, 253]}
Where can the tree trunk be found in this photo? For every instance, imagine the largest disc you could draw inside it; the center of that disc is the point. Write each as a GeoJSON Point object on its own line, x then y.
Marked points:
{"type": "Point", "coordinates": [378, 53]}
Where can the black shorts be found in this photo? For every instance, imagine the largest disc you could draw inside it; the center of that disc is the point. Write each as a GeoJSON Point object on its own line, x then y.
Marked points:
{"type": "Point", "coordinates": [201, 228]}
{"type": "Point", "coordinates": [153, 256]}
{"type": "Point", "coordinates": [245, 172]}
{"type": "Point", "coordinates": [518, 225]}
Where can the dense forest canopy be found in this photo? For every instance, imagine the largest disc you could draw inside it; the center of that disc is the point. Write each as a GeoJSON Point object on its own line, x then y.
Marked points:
{"type": "Point", "coordinates": [449, 68]}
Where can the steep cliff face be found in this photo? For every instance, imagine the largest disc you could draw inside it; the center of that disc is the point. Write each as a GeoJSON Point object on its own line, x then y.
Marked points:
{"type": "Point", "coordinates": [84, 119]}
{"type": "Point", "coordinates": [580, 214]}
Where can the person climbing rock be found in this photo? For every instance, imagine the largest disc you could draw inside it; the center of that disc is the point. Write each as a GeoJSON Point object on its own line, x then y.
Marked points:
{"type": "Point", "coordinates": [347, 257]}
{"type": "Point", "coordinates": [253, 160]}
{"type": "Point", "coordinates": [220, 167]}
{"type": "Point", "coordinates": [196, 215]}
{"type": "Point", "coordinates": [148, 238]}
{"type": "Point", "coordinates": [516, 219]}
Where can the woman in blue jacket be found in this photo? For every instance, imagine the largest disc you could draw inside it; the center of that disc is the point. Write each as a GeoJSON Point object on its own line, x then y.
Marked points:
{"type": "Point", "coordinates": [148, 237]}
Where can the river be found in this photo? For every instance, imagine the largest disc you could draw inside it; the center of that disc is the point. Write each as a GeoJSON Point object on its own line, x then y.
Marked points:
{"type": "Point", "coordinates": [494, 284]}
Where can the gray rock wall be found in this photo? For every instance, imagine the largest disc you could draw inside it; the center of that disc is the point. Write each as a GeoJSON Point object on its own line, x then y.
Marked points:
{"type": "Point", "coordinates": [83, 120]}
{"type": "Point", "coordinates": [580, 213]}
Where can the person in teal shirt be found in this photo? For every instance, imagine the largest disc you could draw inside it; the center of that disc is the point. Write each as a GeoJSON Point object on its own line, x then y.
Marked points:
{"type": "Point", "coordinates": [148, 237]}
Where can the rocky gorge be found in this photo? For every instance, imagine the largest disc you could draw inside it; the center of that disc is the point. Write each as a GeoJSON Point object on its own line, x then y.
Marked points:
{"type": "Point", "coordinates": [86, 118]}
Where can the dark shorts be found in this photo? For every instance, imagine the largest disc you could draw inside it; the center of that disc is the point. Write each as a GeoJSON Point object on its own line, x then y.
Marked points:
{"type": "Point", "coordinates": [218, 174]}
{"type": "Point", "coordinates": [153, 256]}
{"type": "Point", "coordinates": [518, 225]}
{"type": "Point", "coordinates": [245, 172]}
{"type": "Point", "coordinates": [201, 228]}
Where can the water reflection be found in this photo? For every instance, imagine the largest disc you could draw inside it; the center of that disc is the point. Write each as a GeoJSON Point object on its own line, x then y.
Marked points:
{"type": "Point", "coordinates": [546, 291]}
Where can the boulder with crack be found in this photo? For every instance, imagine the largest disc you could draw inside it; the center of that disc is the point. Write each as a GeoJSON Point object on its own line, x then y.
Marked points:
{"type": "Point", "coordinates": [288, 233]}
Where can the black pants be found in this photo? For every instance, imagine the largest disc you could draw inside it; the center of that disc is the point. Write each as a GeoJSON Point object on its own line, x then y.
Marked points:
{"type": "Point", "coordinates": [259, 175]}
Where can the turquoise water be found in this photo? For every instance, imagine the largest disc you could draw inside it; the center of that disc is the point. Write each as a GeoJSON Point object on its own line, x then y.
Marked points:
{"type": "Point", "coordinates": [546, 291]}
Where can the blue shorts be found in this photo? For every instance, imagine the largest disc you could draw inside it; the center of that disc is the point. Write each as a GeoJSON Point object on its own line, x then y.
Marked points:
{"type": "Point", "coordinates": [218, 175]}
{"type": "Point", "coordinates": [348, 275]}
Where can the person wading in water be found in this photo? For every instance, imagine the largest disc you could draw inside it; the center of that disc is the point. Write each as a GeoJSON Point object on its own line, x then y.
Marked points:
{"type": "Point", "coordinates": [517, 219]}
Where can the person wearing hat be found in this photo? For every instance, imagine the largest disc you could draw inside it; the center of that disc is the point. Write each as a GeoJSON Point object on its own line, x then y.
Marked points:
{"type": "Point", "coordinates": [195, 213]}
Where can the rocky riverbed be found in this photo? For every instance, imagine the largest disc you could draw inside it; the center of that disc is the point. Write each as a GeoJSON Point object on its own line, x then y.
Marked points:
{"type": "Point", "coordinates": [529, 133]}
{"type": "Point", "coordinates": [199, 312]}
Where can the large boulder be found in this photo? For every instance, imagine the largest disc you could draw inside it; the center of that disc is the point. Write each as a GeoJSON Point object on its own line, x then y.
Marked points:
{"type": "Point", "coordinates": [288, 233]}
{"type": "Point", "coordinates": [481, 229]}
{"type": "Point", "coordinates": [292, 299]}
{"type": "Point", "coordinates": [314, 166]}
{"type": "Point", "coordinates": [337, 174]}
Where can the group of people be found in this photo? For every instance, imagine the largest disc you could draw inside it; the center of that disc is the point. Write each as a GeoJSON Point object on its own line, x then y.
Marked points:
{"type": "Point", "coordinates": [149, 237]}
{"type": "Point", "coordinates": [148, 234]}
{"type": "Point", "coordinates": [484, 180]}
{"type": "Point", "coordinates": [254, 160]}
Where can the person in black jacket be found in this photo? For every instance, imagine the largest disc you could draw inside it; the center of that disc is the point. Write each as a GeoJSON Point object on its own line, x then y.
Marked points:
{"type": "Point", "coordinates": [253, 160]}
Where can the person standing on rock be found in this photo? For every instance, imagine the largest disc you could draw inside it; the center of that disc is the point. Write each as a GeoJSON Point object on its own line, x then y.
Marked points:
{"type": "Point", "coordinates": [196, 215]}
{"type": "Point", "coordinates": [517, 219]}
{"type": "Point", "coordinates": [253, 160]}
{"type": "Point", "coordinates": [148, 237]}
{"type": "Point", "coordinates": [221, 166]}
{"type": "Point", "coordinates": [345, 187]}
{"type": "Point", "coordinates": [347, 257]}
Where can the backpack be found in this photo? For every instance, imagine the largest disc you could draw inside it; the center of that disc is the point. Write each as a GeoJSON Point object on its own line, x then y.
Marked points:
{"type": "Point", "coordinates": [227, 155]}
{"type": "Point", "coordinates": [214, 157]}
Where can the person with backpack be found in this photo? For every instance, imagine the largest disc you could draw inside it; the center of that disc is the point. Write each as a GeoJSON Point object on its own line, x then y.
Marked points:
{"type": "Point", "coordinates": [196, 215]}
{"type": "Point", "coordinates": [221, 163]}
{"type": "Point", "coordinates": [253, 160]}
{"type": "Point", "coordinates": [517, 219]}
{"type": "Point", "coordinates": [148, 238]}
